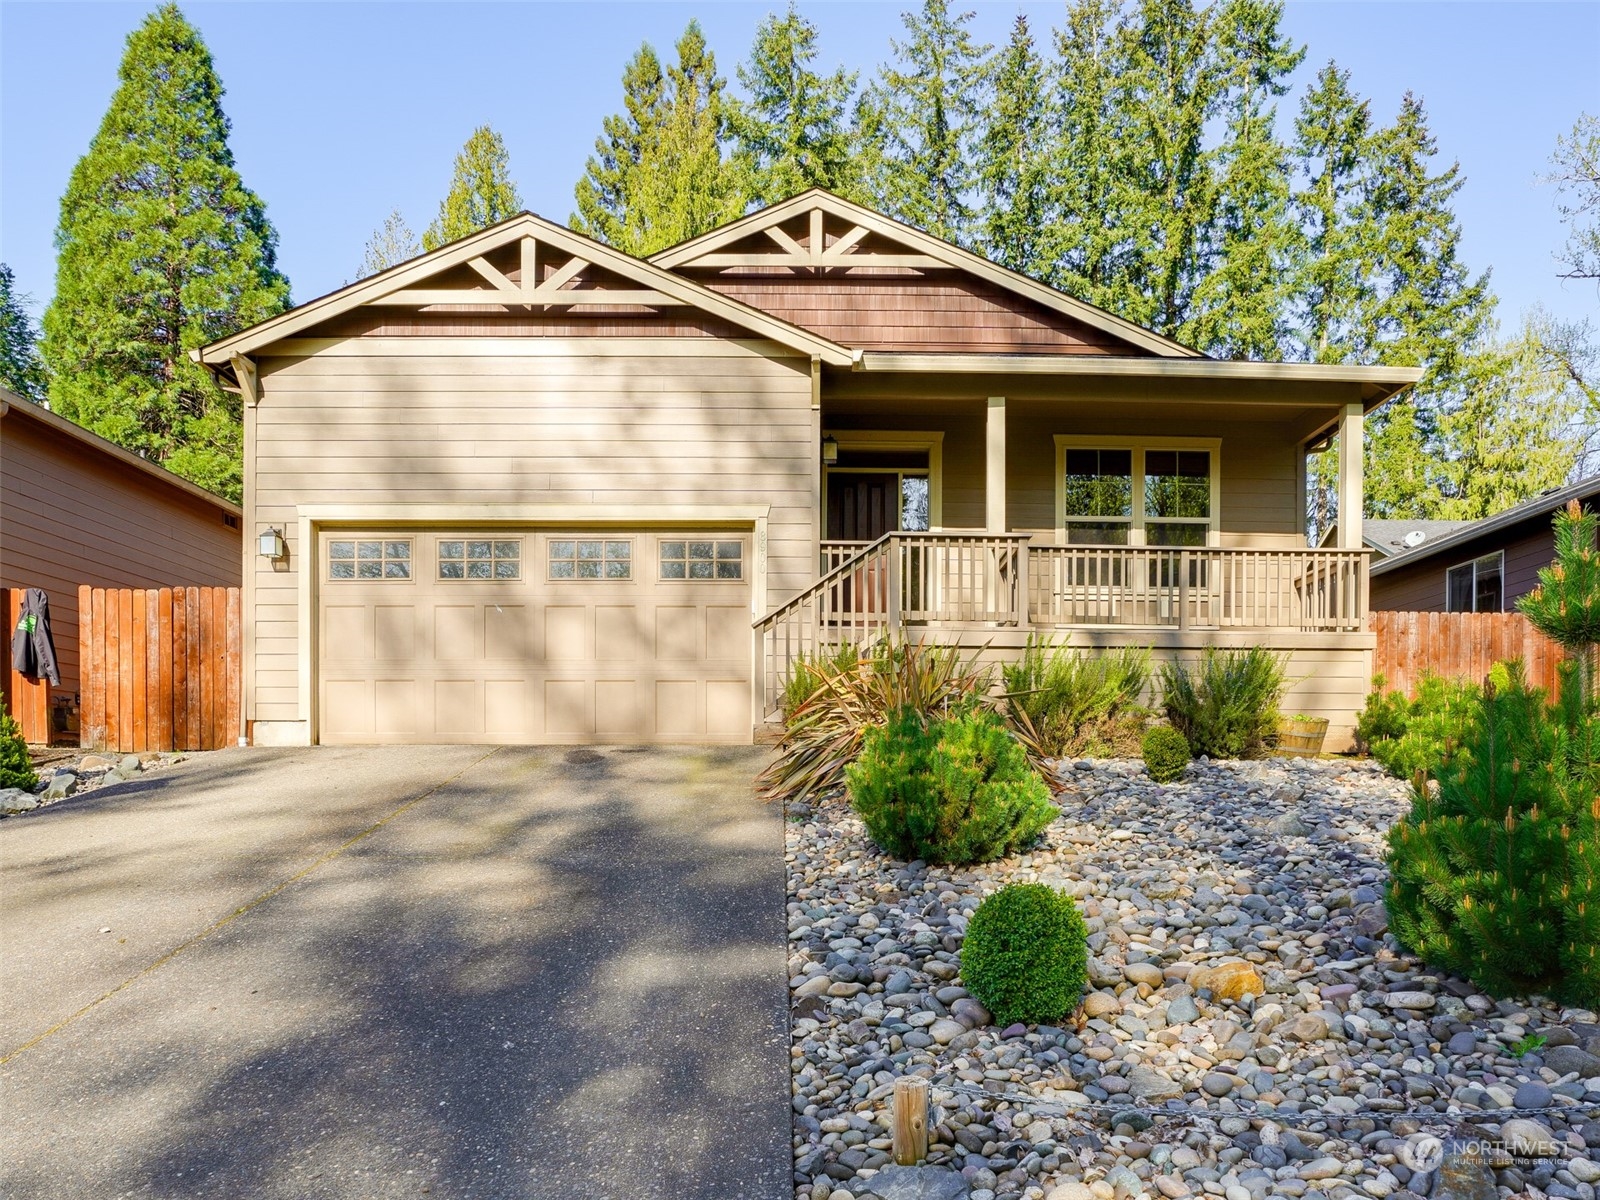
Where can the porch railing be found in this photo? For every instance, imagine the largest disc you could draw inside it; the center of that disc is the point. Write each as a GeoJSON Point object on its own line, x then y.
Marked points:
{"type": "Point", "coordinates": [1000, 581]}
{"type": "Point", "coordinates": [1202, 588]}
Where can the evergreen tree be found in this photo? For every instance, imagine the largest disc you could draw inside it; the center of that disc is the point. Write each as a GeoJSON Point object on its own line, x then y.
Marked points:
{"type": "Point", "coordinates": [1170, 87]}
{"type": "Point", "coordinates": [1510, 435]}
{"type": "Point", "coordinates": [793, 133]}
{"type": "Point", "coordinates": [20, 367]}
{"type": "Point", "coordinates": [1240, 302]}
{"type": "Point", "coordinates": [1430, 312]}
{"type": "Point", "coordinates": [161, 249]}
{"type": "Point", "coordinates": [658, 175]}
{"type": "Point", "coordinates": [391, 244]}
{"type": "Point", "coordinates": [927, 108]}
{"type": "Point", "coordinates": [481, 192]}
{"type": "Point", "coordinates": [1013, 163]}
{"type": "Point", "coordinates": [1086, 241]}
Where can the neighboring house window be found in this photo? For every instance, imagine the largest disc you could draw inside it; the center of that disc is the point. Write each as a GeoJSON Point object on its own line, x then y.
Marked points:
{"type": "Point", "coordinates": [702, 560]}
{"type": "Point", "coordinates": [1155, 494]}
{"type": "Point", "coordinates": [591, 559]}
{"type": "Point", "coordinates": [369, 559]}
{"type": "Point", "coordinates": [1476, 586]}
{"type": "Point", "coordinates": [480, 558]}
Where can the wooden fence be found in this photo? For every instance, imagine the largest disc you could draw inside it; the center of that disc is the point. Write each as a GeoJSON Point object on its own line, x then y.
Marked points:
{"type": "Point", "coordinates": [1458, 646]}
{"type": "Point", "coordinates": [27, 700]}
{"type": "Point", "coordinates": [160, 667]}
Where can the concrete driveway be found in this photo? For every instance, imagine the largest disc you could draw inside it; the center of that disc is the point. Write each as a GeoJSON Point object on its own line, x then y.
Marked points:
{"type": "Point", "coordinates": [451, 972]}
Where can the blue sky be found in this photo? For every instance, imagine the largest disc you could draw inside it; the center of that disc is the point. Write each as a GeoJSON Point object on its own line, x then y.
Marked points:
{"type": "Point", "coordinates": [343, 110]}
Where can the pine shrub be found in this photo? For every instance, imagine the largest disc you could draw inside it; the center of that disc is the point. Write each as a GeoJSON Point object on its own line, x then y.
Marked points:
{"type": "Point", "coordinates": [16, 769]}
{"type": "Point", "coordinates": [1227, 705]}
{"type": "Point", "coordinates": [1495, 876]}
{"type": "Point", "coordinates": [1078, 703]}
{"type": "Point", "coordinates": [947, 791]}
{"type": "Point", "coordinates": [1412, 736]}
{"type": "Point", "coordinates": [1026, 954]}
{"type": "Point", "coordinates": [1166, 753]}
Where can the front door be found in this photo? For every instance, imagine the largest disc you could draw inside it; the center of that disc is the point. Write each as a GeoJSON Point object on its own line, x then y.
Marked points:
{"type": "Point", "coordinates": [862, 507]}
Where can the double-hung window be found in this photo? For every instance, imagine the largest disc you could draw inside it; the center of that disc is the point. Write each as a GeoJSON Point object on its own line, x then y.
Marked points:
{"type": "Point", "coordinates": [1114, 492]}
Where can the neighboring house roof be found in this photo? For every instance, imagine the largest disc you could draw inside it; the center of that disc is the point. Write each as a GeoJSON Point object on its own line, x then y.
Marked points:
{"type": "Point", "coordinates": [1542, 506]}
{"type": "Point", "coordinates": [499, 290]}
{"type": "Point", "coordinates": [1396, 539]}
{"type": "Point", "coordinates": [687, 254]}
{"type": "Point", "coordinates": [14, 407]}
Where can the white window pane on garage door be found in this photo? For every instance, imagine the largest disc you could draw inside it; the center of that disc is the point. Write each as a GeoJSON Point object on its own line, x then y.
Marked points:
{"type": "Point", "coordinates": [593, 636]}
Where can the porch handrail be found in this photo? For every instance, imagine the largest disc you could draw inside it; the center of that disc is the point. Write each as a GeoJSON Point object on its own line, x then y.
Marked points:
{"type": "Point", "coordinates": [1201, 587]}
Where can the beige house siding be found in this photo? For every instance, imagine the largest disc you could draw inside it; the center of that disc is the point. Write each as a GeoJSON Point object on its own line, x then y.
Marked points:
{"type": "Point", "coordinates": [643, 425]}
{"type": "Point", "coordinates": [1260, 496]}
{"type": "Point", "coordinates": [74, 512]}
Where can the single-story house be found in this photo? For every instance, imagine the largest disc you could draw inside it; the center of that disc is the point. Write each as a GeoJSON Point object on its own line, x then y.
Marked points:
{"type": "Point", "coordinates": [527, 488]}
{"type": "Point", "coordinates": [76, 509]}
{"type": "Point", "coordinates": [1471, 566]}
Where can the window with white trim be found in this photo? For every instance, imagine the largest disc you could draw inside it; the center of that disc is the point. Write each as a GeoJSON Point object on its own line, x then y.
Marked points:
{"type": "Point", "coordinates": [369, 558]}
{"type": "Point", "coordinates": [1132, 494]}
{"type": "Point", "coordinates": [1476, 586]}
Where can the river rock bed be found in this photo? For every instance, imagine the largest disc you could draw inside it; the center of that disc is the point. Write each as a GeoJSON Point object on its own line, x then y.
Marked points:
{"type": "Point", "coordinates": [1248, 1013]}
{"type": "Point", "coordinates": [75, 775]}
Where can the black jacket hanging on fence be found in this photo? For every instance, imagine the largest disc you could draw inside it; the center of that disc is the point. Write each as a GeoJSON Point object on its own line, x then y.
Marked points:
{"type": "Point", "coordinates": [33, 650]}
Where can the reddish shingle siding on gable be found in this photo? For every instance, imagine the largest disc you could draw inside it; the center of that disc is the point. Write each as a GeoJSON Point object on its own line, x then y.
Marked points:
{"type": "Point", "coordinates": [615, 321]}
{"type": "Point", "coordinates": [949, 312]}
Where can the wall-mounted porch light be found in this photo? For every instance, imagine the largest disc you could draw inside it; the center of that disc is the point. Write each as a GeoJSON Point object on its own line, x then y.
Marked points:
{"type": "Point", "coordinates": [270, 544]}
{"type": "Point", "coordinates": [830, 451]}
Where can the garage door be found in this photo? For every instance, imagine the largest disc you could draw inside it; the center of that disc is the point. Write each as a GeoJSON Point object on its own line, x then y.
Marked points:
{"type": "Point", "coordinates": [524, 635]}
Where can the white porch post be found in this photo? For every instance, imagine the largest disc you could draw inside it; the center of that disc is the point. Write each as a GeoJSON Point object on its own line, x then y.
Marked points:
{"type": "Point", "coordinates": [1351, 446]}
{"type": "Point", "coordinates": [994, 488]}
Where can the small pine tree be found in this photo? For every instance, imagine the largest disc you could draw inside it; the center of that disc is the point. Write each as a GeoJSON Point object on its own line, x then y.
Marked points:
{"type": "Point", "coordinates": [1565, 607]}
{"type": "Point", "coordinates": [1497, 877]}
{"type": "Point", "coordinates": [16, 769]}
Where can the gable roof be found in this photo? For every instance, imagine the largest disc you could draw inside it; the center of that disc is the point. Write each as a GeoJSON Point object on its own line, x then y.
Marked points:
{"type": "Point", "coordinates": [15, 407]}
{"type": "Point", "coordinates": [469, 251]}
{"type": "Point", "coordinates": [687, 254]}
{"type": "Point", "coordinates": [1545, 505]}
{"type": "Point", "coordinates": [1388, 538]}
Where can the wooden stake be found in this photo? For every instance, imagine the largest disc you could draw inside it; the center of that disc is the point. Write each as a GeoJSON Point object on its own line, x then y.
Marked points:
{"type": "Point", "coordinates": [910, 1121]}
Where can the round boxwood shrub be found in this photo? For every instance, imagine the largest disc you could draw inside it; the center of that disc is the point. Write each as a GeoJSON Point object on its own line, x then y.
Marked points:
{"type": "Point", "coordinates": [953, 791]}
{"type": "Point", "coordinates": [1166, 753]}
{"type": "Point", "coordinates": [1026, 954]}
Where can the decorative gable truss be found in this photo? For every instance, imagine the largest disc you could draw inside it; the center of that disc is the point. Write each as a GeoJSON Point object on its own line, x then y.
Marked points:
{"type": "Point", "coordinates": [819, 244]}
{"type": "Point", "coordinates": [543, 277]}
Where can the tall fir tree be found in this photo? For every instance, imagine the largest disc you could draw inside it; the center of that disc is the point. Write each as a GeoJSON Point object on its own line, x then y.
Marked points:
{"type": "Point", "coordinates": [1086, 242]}
{"type": "Point", "coordinates": [161, 249]}
{"type": "Point", "coordinates": [927, 106]}
{"type": "Point", "coordinates": [1430, 313]}
{"type": "Point", "coordinates": [390, 245]}
{"type": "Point", "coordinates": [1013, 160]}
{"type": "Point", "coordinates": [793, 133]}
{"type": "Point", "coordinates": [658, 175]}
{"type": "Point", "coordinates": [481, 192]}
{"type": "Point", "coordinates": [1170, 86]}
{"type": "Point", "coordinates": [1240, 299]}
{"type": "Point", "coordinates": [21, 369]}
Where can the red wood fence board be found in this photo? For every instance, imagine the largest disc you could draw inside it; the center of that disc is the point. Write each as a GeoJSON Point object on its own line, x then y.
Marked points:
{"type": "Point", "coordinates": [161, 667]}
{"type": "Point", "coordinates": [1458, 646]}
{"type": "Point", "coordinates": [27, 700]}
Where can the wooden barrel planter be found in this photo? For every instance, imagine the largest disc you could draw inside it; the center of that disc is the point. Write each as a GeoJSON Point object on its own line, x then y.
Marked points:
{"type": "Point", "coordinates": [1302, 737]}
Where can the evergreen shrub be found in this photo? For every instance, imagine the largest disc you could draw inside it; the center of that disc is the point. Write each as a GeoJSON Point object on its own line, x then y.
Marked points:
{"type": "Point", "coordinates": [1227, 705]}
{"type": "Point", "coordinates": [1026, 954]}
{"type": "Point", "coordinates": [1495, 874]}
{"type": "Point", "coordinates": [16, 769]}
{"type": "Point", "coordinates": [1166, 753]}
{"type": "Point", "coordinates": [1411, 736]}
{"type": "Point", "coordinates": [1079, 704]}
{"type": "Point", "coordinates": [947, 791]}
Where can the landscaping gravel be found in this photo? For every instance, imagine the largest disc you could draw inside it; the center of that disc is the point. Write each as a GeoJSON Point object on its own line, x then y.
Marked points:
{"type": "Point", "coordinates": [1252, 1030]}
{"type": "Point", "coordinates": [75, 776]}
